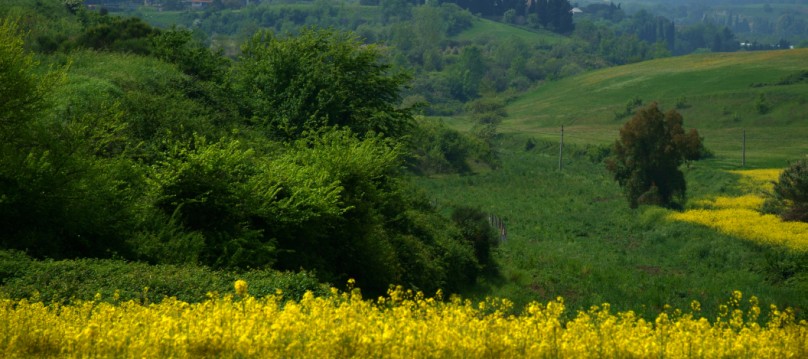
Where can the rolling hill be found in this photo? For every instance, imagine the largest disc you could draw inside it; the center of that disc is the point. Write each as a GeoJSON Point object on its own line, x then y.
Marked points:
{"type": "Point", "coordinates": [718, 94]}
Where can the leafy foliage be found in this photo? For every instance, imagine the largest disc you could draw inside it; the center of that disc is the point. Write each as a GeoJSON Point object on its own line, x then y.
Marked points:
{"type": "Point", "coordinates": [56, 173]}
{"type": "Point", "coordinates": [474, 226]}
{"type": "Point", "coordinates": [437, 148]}
{"type": "Point", "coordinates": [179, 47]}
{"type": "Point", "coordinates": [555, 15]}
{"type": "Point", "coordinates": [790, 193]}
{"type": "Point", "coordinates": [22, 95]}
{"type": "Point", "coordinates": [166, 157]}
{"type": "Point", "coordinates": [319, 79]}
{"type": "Point", "coordinates": [647, 156]}
{"type": "Point", "coordinates": [66, 281]}
{"type": "Point", "coordinates": [112, 33]}
{"type": "Point", "coordinates": [383, 234]}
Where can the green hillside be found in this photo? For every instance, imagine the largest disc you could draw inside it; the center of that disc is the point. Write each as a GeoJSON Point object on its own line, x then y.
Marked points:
{"type": "Point", "coordinates": [720, 92]}
{"type": "Point", "coordinates": [570, 232]}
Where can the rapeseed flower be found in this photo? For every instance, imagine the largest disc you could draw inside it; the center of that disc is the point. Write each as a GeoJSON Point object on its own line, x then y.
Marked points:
{"type": "Point", "coordinates": [741, 216]}
{"type": "Point", "coordinates": [412, 326]}
{"type": "Point", "coordinates": [241, 287]}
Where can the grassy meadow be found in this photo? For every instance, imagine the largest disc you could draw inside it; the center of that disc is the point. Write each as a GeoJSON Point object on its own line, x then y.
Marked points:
{"type": "Point", "coordinates": [571, 232]}
{"type": "Point", "coordinates": [717, 93]}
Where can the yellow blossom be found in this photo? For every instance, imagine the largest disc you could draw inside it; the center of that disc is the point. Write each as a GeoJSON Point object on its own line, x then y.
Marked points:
{"type": "Point", "coordinates": [412, 326]}
{"type": "Point", "coordinates": [740, 216]}
{"type": "Point", "coordinates": [241, 287]}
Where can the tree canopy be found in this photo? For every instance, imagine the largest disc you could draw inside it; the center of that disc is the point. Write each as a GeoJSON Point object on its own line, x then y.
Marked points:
{"type": "Point", "coordinates": [319, 79]}
{"type": "Point", "coordinates": [647, 156]}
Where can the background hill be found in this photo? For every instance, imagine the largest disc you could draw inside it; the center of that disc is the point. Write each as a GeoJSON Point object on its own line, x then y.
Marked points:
{"type": "Point", "coordinates": [719, 94]}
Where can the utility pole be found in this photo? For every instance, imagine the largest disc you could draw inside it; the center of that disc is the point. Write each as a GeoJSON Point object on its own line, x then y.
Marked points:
{"type": "Point", "coordinates": [743, 153]}
{"type": "Point", "coordinates": [561, 150]}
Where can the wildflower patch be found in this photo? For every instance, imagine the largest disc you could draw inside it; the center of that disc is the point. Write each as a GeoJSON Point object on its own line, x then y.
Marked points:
{"type": "Point", "coordinates": [741, 217]}
{"type": "Point", "coordinates": [402, 324]}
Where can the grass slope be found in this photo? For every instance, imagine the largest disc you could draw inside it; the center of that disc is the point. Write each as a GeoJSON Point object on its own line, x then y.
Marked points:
{"type": "Point", "coordinates": [572, 234]}
{"type": "Point", "coordinates": [720, 96]}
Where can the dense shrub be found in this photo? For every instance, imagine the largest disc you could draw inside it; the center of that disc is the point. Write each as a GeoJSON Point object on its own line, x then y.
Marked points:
{"type": "Point", "coordinates": [319, 79]}
{"type": "Point", "coordinates": [56, 172]}
{"type": "Point", "coordinates": [475, 229]}
{"type": "Point", "coordinates": [67, 280]}
{"type": "Point", "coordinates": [436, 148]}
{"type": "Point", "coordinates": [790, 193]}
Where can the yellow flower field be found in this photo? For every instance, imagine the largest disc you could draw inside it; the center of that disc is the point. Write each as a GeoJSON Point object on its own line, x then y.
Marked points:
{"type": "Point", "coordinates": [740, 216]}
{"type": "Point", "coordinates": [401, 325]}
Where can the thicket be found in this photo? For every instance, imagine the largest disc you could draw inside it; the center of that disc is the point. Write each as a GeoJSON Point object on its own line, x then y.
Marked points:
{"type": "Point", "coordinates": [64, 281]}
{"type": "Point", "coordinates": [789, 196]}
{"type": "Point", "coordinates": [177, 155]}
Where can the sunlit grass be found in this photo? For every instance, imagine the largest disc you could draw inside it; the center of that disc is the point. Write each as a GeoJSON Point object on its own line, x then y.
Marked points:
{"type": "Point", "coordinates": [719, 102]}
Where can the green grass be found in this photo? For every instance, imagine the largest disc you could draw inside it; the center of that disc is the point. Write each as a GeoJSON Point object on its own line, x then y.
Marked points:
{"type": "Point", "coordinates": [572, 234]}
{"type": "Point", "coordinates": [719, 92]}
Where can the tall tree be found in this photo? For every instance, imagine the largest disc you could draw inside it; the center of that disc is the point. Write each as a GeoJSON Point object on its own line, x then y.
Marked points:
{"type": "Point", "coordinates": [647, 156]}
{"type": "Point", "coordinates": [555, 15]}
{"type": "Point", "coordinates": [468, 73]}
{"type": "Point", "coordinates": [562, 17]}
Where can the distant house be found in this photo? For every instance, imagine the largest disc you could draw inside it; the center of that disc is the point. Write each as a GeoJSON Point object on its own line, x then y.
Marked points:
{"type": "Point", "coordinates": [200, 4]}
{"type": "Point", "coordinates": [576, 10]}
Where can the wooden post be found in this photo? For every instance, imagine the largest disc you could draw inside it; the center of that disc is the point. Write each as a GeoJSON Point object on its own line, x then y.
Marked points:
{"type": "Point", "coordinates": [561, 150]}
{"type": "Point", "coordinates": [743, 153]}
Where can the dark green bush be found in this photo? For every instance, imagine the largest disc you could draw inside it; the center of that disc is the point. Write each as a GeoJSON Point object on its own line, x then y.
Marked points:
{"type": "Point", "coordinates": [475, 229]}
{"type": "Point", "coordinates": [790, 193]}
{"type": "Point", "coordinates": [68, 280]}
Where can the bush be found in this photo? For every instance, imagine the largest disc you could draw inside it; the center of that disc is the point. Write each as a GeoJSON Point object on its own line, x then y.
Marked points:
{"type": "Point", "coordinates": [475, 229]}
{"type": "Point", "coordinates": [439, 149]}
{"type": "Point", "coordinates": [316, 80]}
{"type": "Point", "coordinates": [762, 105]}
{"type": "Point", "coordinates": [790, 196]}
{"type": "Point", "coordinates": [69, 280]}
{"type": "Point", "coordinates": [681, 103]}
{"type": "Point", "coordinates": [631, 105]}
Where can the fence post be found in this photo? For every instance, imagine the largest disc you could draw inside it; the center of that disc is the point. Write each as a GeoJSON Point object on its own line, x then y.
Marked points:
{"type": "Point", "coordinates": [561, 150]}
